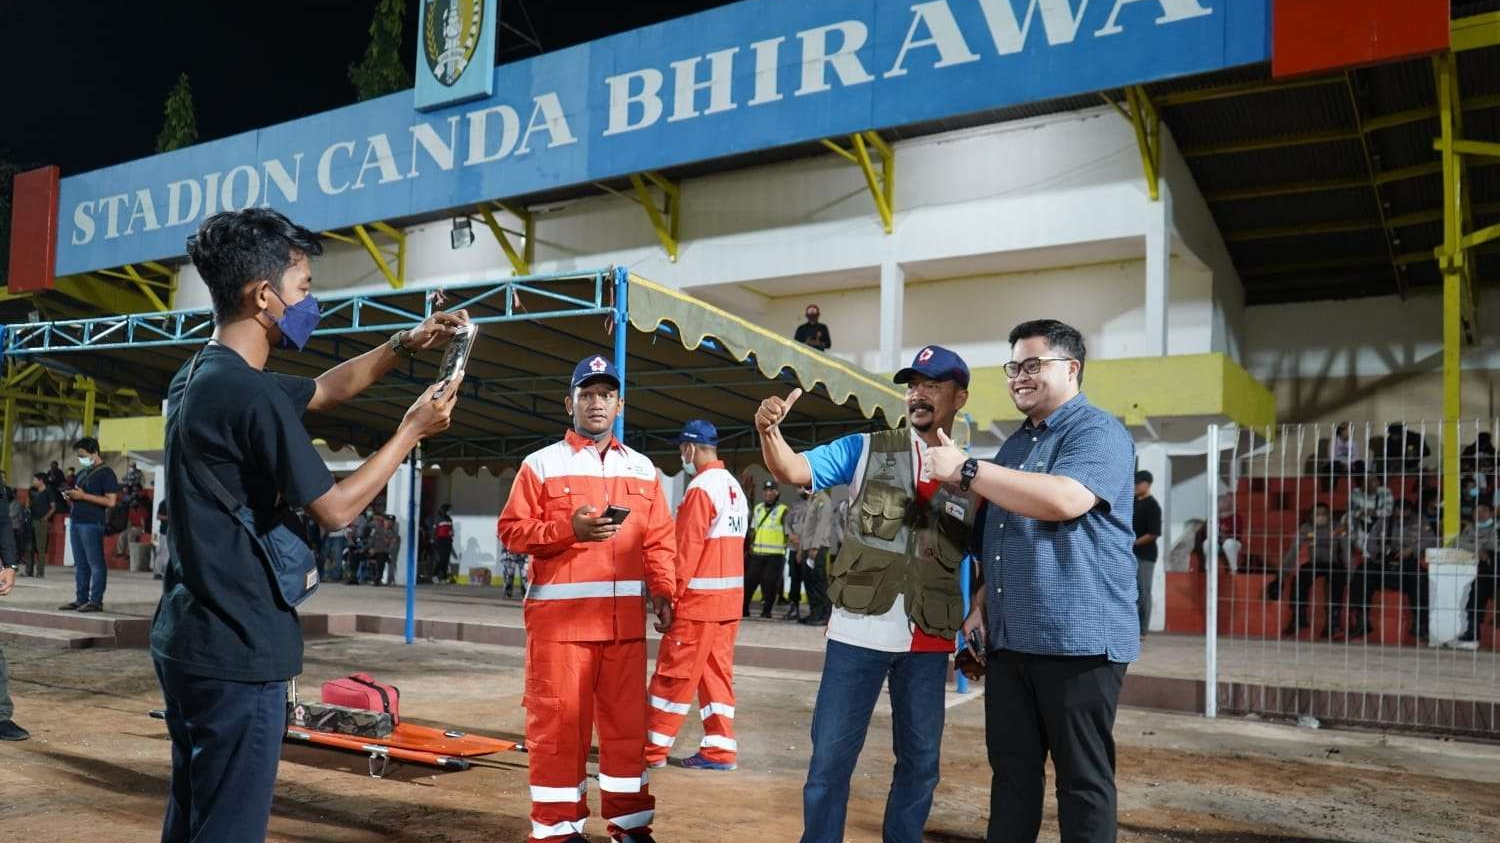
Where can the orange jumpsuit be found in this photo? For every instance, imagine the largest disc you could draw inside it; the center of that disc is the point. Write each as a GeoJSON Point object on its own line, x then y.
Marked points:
{"type": "Point", "coordinates": [697, 653]}
{"type": "Point", "coordinates": [585, 616]}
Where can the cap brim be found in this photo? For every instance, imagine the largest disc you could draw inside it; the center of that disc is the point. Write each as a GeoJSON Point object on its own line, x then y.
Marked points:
{"type": "Point", "coordinates": [599, 377]}
{"type": "Point", "coordinates": [904, 375]}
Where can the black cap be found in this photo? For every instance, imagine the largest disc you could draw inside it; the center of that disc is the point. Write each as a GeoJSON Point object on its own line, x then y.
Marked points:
{"type": "Point", "coordinates": [770, 484]}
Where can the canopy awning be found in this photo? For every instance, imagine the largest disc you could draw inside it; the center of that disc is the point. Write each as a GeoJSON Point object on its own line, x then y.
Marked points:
{"type": "Point", "coordinates": [683, 359]}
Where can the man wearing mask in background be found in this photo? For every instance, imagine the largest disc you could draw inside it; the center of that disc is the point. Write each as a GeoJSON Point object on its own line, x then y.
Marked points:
{"type": "Point", "coordinates": [592, 577]}
{"type": "Point", "coordinates": [1480, 539]}
{"type": "Point", "coordinates": [225, 640]}
{"type": "Point", "coordinates": [814, 333]}
{"type": "Point", "coordinates": [93, 493]}
{"type": "Point", "coordinates": [895, 594]}
{"type": "Point", "coordinates": [697, 653]}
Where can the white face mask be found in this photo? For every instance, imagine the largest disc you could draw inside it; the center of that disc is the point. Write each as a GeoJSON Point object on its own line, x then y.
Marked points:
{"type": "Point", "coordinates": [1485, 524]}
{"type": "Point", "coordinates": [86, 462]}
{"type": "Point", "coordinates": [688, 465]}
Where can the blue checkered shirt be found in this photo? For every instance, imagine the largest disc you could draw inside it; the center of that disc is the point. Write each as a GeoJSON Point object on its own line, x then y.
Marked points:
{"type": "Point", "coordinates": [1066, 588]}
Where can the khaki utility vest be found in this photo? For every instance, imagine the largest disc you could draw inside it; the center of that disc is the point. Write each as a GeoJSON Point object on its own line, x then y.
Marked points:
{"type": "Point", "coordinates": [894, 546]}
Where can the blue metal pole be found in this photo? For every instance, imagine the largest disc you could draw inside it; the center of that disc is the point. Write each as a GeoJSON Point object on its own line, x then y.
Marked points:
{"type": "Point", "coordinates": [962, 685]}
{"type": "Point", "coordinates": [411, 550]}
{"type": "Point", "coordinates": [622, 333]}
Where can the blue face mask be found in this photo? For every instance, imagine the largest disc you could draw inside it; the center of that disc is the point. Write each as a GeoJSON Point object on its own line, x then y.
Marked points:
{"type": "Point", "coordinates": [297, 322]}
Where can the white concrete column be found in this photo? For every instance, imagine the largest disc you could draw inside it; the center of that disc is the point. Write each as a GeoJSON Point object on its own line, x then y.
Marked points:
{"type": "Point", "coordinates": [892, 312]}
{"type": "Point", "coordinates": [1158, 272]}
{"type": "Point", "coordinates": [397, 496]}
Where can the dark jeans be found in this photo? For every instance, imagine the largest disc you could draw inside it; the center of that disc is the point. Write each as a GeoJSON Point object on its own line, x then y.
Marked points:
{"type": "Point", "coordinates": [1145, 577]}
{"type": "Point", "coordinates": [41, 542]}
{"type": "Point", "coordinates": [442, 550]}
{"type": "Point", "coordinates": [1058, 705]}
{"type": "Point", "coordinates": [89, 573]}
{"type": "Point", "coordinates": [797, 574]}
{"type": "Point", "coordinates": [1302, 592]}
{"type": "Point", "coordinates": [226, 744]}
{"type": "Point", "coordinates": [852, 678]}
{"type": "Point", "coordinates": [764, 570]}
{"type": "Point", "coordinates": [1406, 577]}
{"type": "Point", "coordinates": [7, 708]}
{"type": "Point", "coordinates": [1480, 594]}
{"type": "Point", "coordinates": [816, 578]}
{"type": "Point", "coordinates": [331, 563]}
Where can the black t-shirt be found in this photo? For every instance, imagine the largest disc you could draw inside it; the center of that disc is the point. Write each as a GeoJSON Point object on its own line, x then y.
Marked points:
{"type": "Point", "coordinates": [42, 501]}
{"type": "Point", "coordinates": [219, 616]}
{"type": "Point", "coordinates": [814, 335]}
{"type": "Point", "coordinates": [99, 480]}
{"type": "Point", "coordinates": [1147, 520]}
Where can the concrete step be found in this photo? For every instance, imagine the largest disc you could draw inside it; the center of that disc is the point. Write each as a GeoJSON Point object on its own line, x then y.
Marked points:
{"type": "Point", "coordinates": [61, 639]}
{"type": "Point", "coordinates": [120, 630]}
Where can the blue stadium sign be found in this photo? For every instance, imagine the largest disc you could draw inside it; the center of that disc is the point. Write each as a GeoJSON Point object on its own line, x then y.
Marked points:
{"type": "Point", "coordinates": [455, 52]}
{"type": "Point", "coordinates": [753, 75]}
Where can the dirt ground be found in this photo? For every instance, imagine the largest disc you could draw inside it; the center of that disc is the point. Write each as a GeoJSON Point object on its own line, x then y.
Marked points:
{"type": "Point", "coordinates": [97, 766]}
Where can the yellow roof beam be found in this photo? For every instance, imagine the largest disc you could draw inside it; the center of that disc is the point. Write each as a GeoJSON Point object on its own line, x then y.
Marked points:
{"type": "Point", "coordinates": [882, 185]}
{"type": "Point", "coordinates": [1476, 32]}
{"type": "Point", "coordinates": [390, 260]}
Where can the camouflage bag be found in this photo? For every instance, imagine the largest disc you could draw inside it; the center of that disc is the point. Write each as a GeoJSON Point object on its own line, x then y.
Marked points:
{"type": "Point", "coordinates": [340, 720]}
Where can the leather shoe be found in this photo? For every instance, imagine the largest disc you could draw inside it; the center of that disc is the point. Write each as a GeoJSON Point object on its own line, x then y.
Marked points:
{"type": "Point", "coordinates": [69, 607]}
{"type": "Point", "coordinates": [91, 607]}
{"type": "Point", "coordinates": [9, 731]}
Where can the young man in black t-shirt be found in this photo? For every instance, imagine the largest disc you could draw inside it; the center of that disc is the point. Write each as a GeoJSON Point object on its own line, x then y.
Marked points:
{"type": "Point", "coordinates": [44, 505]}
{"type": "Point", "coordinates": [223, 641]}
{"type": "Point", "coordinates": [1147, 523]}
{"type": "Point", "coordinates": [93, 493]}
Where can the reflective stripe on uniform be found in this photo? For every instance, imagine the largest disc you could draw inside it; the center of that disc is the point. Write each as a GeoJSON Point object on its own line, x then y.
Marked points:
{"type": "Point", "coordinates": [668, 706]}
{"type": "Point", "coordinates": [560, 794]}
{"type": "Point", "coordinates": [540, 831]}
{"type": "Point", "coordinates": [721, 709]}
{"type": "Point", "coordinates": [716, 583]}
{"type": "Point", "coordinates": [581, 590]}
{"type": "Point", "coordinates": [658, 739]}
{"type": "Point", "coordinates": [719, 742]}
{"type": "Point", "coordinates": [616, 784]}
{"type": "Point", "coordinates": [639, 819]}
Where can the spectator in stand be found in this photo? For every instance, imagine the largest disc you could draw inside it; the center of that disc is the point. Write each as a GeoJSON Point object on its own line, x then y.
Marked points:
{"type": "Point", "coordinates": [1369, 504]}
{"type": "Point", "coordinates": [134, 478]}
{"type": "Point", "coordinates": [442, 544]}
{"type": "Point", "coordinates": [1479, 456]}
{"type": "Point", "coordinates": [1468, 497]}
{"type": "Point", "coordinates": [1394, 563]}
{"type": "Point", "coordinates": [1376, 463]}
{"type": "Point", "coordinates": [95, 491]}
{"type": "Point", "coordinates": [44, 501]}
{"type": "Point", "coordinates": [1229, 535]}
{"type": "Point", "coordinates": [1479, 537]}
{"type": "Point", "coordinates": [814, 333]}
{"type": "Point", "coordinates": [1147, 522]}
{"type": "Point", "coordinates": [1432, 509]}
{"type": "Point", "coordinates": [54, 476]}
{"type": "Point", "coordinates": [70, 480]}
{"type": "Point", "coordinates": [1327, 558]}
{"type": "Point", "coordinates": [512, 568]}
{"type": "Point", "coordinates": [1346, 454]}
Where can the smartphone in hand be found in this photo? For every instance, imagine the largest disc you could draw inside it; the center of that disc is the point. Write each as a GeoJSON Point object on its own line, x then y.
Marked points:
{"type": "Point", "coordinates": [975, 645]}
{"type": "Point", "coordinates": [616, 514]}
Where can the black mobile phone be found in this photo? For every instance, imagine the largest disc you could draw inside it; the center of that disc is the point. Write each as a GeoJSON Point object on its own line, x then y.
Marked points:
{"type": "Point", "coordinates": [975, 645]}
{"type": "Point", "coordinates": [616, 513]}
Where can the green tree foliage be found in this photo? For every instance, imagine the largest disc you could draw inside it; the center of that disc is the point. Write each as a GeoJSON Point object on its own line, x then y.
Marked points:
{"type": "Point", "coordinates": [381, 71]}
{"type": "Point", "coordinates": [180, 126]}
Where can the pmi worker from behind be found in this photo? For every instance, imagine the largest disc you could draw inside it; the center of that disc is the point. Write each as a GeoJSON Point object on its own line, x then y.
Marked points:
{"type": "Point", "coordinates": [224, 640]}
{"type": "Point", "coordinates": [1058, 605]}
{"type": "Point", "coordinates": [895, 594]}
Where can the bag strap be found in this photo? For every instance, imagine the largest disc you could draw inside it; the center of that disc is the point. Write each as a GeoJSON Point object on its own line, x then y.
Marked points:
{"type": "Point", "coordinates": [196, 468]}
{"type": "Point", "coordinates": [385, 699]}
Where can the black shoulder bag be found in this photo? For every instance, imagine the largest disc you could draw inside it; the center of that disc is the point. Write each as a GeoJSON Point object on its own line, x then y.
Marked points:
{"type": "Point", "coordinates": [289, 561]}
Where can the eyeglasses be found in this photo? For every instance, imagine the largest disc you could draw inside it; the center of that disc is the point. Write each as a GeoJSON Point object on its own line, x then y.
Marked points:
{"type": "Point", "coordinates": [1031, 365]}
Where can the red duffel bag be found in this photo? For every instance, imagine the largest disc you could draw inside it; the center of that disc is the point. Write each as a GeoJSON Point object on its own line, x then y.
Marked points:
{"type": "Point", "coordinates": [360, 691]}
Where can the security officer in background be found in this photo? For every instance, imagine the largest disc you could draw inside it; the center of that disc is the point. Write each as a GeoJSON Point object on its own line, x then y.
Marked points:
{"type": "Point", "coordinates": [768, 544]}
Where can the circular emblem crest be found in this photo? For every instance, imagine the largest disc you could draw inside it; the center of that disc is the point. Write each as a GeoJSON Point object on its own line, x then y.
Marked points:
{"type": "Point", "coordinates": [450, 35]}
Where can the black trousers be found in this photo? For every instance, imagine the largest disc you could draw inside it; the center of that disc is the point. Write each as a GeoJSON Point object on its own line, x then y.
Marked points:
{"type": "Point", "coordinates": [763, 570]}
{"type": "Point", "coordinates": [816, 578]}
{"type": "Point", "coordinates": [1302, 593]}
{"type": "Point", "coordinates": [1480, 594]}
{"type": "Point", "coordinates": [1405, 576]}
{"type": "Point", "coordinates": [798, 576]}
{"type": "Point", "coordinates": [1058, 705]}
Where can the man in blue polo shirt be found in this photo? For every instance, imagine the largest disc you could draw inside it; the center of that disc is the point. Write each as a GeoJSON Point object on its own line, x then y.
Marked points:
{"type": "Point", "coordinates": [1058, 607]}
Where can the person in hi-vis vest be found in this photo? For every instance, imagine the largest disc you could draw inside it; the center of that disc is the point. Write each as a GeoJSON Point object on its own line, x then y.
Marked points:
{"type": "Point", "coordinates": [697, 653]}
{"type": "Point", "coordinates": [768, 544]}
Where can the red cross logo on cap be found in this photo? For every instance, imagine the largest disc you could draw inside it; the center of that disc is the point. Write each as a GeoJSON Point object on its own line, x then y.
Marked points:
{"type": "Point", "coordinates": [598, 364]}
{"type": "Point", "coordinates": [925, 355]}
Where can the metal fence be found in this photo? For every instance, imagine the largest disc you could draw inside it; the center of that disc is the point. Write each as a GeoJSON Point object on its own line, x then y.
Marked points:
{"type": "Point", "coordinates": [1339, 594]}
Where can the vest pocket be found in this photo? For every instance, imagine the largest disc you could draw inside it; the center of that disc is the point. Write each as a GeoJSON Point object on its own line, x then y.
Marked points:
{"type": "Point", "coordinates": [882, 509]}
{"type": "Point", "coordinates": [939, 611]}
{"type": "Point", "coordinates": [857, 580]}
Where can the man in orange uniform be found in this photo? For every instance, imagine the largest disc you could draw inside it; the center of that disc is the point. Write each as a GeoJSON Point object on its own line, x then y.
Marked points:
{"type": "Point", "coordinates": [591, 576]}
{"type": "Point", "coordinates": [698, 653]}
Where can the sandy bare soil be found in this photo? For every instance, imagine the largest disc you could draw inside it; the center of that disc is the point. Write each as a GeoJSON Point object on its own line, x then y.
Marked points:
{"type": "Point", "coordinates": [97, 767]}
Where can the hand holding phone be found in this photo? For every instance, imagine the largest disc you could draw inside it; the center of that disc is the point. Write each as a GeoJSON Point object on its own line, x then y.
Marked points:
{"type": "Point", "coordinates": [616, 514]}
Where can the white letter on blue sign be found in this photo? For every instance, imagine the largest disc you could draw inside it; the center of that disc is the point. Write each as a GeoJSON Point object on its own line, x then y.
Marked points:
{"type": "Point", "coordinates": [325, 168]}
{"type": "Point", "coordinates": [720, 73]}
{"type": "Point", "coordinates": [1172, 11]}
{"type": "Point", "coordinates": [175, 214]}
{"type": "Point", "coordinates": [620, 99]}
{"type": "Point", "coordinates": [275, 173]}
{"type": "Point", "coordinates": [1010, 35]}
{"type": "Point", "coordinates": [554, 122]}
{"type": "Point", "coordinates": [378, 156]}
{"type": "Point", "coordinates": [479, 121]}
{"type": "Point", "coordinates": [144, 210]}
{"type": "Point", "coordinates": [943, 33]}
{"type": "Point", "coordinates": [252, 188]}
{"type": "Point", "coordinates": [425, 136]}
{"type": "Point", "coordinates": [767, 87]}
{"type": "Point", "coordinates": [112, 221]}
{"type": "Point", "coordinates": [816, 58]}
{"type": "Point", "coordinates": [83, 223]}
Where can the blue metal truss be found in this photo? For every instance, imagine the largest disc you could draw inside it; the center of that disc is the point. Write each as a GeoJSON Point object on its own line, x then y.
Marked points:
{"type": "Point", "coordinates": [366, 312]}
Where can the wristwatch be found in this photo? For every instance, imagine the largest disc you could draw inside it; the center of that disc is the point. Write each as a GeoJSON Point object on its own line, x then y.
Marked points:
{"type": "Point", "coordinates": [967, 473]}
{"type": "Point", "coordinates": [400, 347]}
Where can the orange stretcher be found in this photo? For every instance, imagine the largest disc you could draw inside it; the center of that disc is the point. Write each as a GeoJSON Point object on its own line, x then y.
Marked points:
{"type": "Point", "coordinates": [447, 750]}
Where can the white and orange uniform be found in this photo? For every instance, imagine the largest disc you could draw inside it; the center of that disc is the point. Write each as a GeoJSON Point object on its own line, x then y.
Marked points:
{"type": "Point", "coordinates": [697, 653]}
{"type": "Point", "coordinates": [586, 629]}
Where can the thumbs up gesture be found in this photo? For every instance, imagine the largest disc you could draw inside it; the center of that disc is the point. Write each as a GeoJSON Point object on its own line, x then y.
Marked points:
{"type": "Point", "coordinates": [945, 460]}
{"type": "Point", "coordinates": [773, 410]}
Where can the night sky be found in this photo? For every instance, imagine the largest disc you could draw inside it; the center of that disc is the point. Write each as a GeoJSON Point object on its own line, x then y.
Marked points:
{"type": "Point", "coordinates": [84, 82]}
